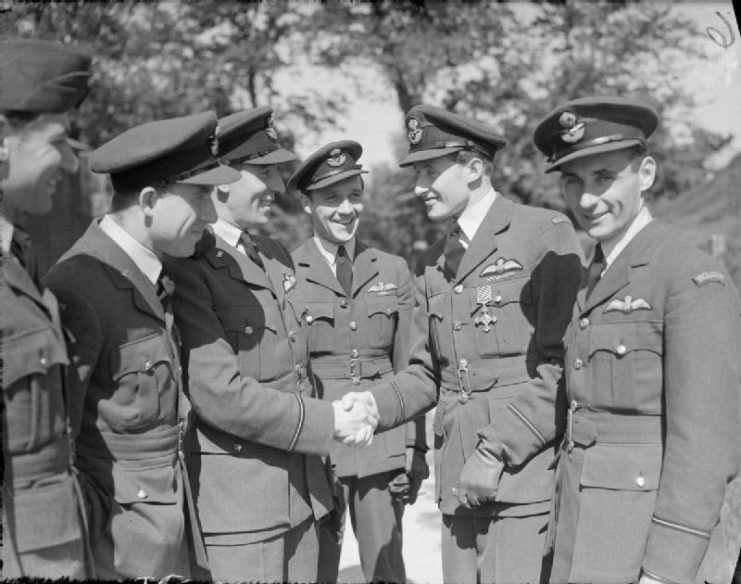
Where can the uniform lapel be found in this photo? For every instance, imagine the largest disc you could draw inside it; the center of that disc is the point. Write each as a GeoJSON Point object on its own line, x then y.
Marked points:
{"type": "Point", "coordinates": [123, 271]}
{"type": "Point", "coordinates": [318, 270]}
{"type": "Point", "coordinates": [20, 280]}
{"type": "Point", "coordinates": [365, 266]}
{"type": "Point", "coordinates": [484, 242]}
{"type": "Point", "coordinates": [618, 275]}
{"type": "Point", "coordinates": [238, 265]}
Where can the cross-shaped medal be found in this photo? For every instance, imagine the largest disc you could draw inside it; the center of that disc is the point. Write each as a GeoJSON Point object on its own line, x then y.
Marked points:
{"type": "Point", "coordinates": [485, 319]}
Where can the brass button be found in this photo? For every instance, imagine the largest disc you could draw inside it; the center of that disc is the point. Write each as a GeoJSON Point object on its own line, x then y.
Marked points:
{"type": "Point", "coordinates": [353, 325]}
{"type": "Point", "coordinates": [248, 330]}
{"type": "Point", "coordinates": [458, 289]}
{"type": "Point", "coordinates": [640, 481]}
{"type": "Point", "coordinates": [343, 303]}
{"type": "Point", "coordinates": [354, 353]}
{"type": "Point", "coordinates": [237, 447]}
{"type": "Point", "coordinates": [621, 349]}
{"type": "Point", "coordinates": [142, 494]}
{"type": "Point", "coordinates": [148, 365]}
{"type": "Point", "coordinates": [309, 319]}
{"type": "Point", "coordinates": [498, 299]}
{"type": "Point", "coordinates": [43, 361]}
{"type": "Point", "coordinates": [388, 310]}
{"type": "Point", "coordinates": [578, 363]}
{"type": "Point", "coordinates": [583, 323]}
{"type": "Point", "coordinates": [355, 381]}
{"type": "Point", "coordinates": [462, 363]}
{"type": "Point", "coordinates": [457, 325]}
{"type": "Point", "coordinates": [292, 336]}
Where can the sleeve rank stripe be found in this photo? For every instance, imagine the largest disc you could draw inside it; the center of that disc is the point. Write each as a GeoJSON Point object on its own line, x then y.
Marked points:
{"type": "Point", "coordinates": [657, 577]}
{"type": "Point", "coordinates": [684, 528]}
{"type": "Point", "coordinates": [527, 422]}
{"type": "Point", "coordinates": [398, 396]}
{"type": "Point", "coordinates": [300, 426]}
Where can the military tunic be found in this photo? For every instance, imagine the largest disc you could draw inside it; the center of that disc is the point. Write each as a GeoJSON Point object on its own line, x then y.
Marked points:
{"type": "Point", "coordinates": [652, 378]}
{"type": "Point", "coordinates": [257, 470]}
{"type": "Point", "coordinates": [484, 341]}
{"type": "Point", "coordinates": [353, 343]}
{"type": "Point", "coordinates": [43, 512]}
{"type": "Point", "coordinates": [124, 409]}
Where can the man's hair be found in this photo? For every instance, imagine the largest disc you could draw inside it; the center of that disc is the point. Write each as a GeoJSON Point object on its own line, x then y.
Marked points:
{"type": "Point", "coordinates": [466, 156]}
{"type": "Point", "coordinates": [18, 119]}
{"type": "Point", "coordinates": [125, 195]}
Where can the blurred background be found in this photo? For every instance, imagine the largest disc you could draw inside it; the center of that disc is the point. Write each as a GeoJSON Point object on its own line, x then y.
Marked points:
{"type": "Point", "coordinates": [350, 70]}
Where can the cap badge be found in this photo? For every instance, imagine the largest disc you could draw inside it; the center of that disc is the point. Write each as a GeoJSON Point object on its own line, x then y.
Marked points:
{"type": "Point", "coordinates": [573, 131]}
{"type": "Point", "coordinates": [214, 143]}
{"type": "Point", "coordinates": [414, 133]}
{"type": "Point", "coordinates": [270, 130]}
{"type": "Point", "coordinates": [336, 157]}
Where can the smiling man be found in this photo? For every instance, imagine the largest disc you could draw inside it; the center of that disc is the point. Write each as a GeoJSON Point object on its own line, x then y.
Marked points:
{"type": "Point", "coordinates": [652, 366]}
{"type": "Point", "coordinates": [258, 478]}
{"type": "Point", "coordinates": [492, 300]}
{"type": "Point", "coordinates": [357, 306]}
{"type": "Point", "coordinates": [126, 403]}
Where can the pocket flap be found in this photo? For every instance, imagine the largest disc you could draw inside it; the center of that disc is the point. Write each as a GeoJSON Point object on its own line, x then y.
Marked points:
{"type": "Point", "coordinates": [314, 310]}
{"type": "Point", "coordinates": [436, 305]}
{"type": "Point", "coordinates": [624, 467]}
{"type": "Point", "coordinates": [247, 319]}
{"type": "Point", "coordinates": [623, 338]}
{"type": "Point", "coordinates": [140, 356]}
{"type": "Point", "coordinates": [508, 291]}
{"type": "Point", "coordinates": [145, 485]}
{"type": "Point", "coordinates": [30, 353]}
{"type": "Point", "coordinates": [384, 305]}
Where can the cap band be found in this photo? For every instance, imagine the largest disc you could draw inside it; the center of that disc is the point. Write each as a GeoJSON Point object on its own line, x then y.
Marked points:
{"type": "Point", "coordinates": [326, 175]}
{"type": "Point", "coordinates": [589, 143]}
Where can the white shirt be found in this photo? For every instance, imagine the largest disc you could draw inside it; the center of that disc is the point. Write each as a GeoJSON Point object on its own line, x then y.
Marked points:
{"type": "Point", "coordinates": [612, 251]}
{"type": "Point", "coordinates": [229, 233]}
{"type": "Point", "coordinates": [472, 217]}
{"type": "Point", "coordinates": [329, 251]}
{"type": "Point", "coordinates": [6, 234]}
{"type": "Point", "coordinates": [144, 258]}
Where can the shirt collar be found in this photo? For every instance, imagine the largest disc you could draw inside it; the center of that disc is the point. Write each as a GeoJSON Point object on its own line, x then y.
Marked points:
{"type": "Point", "coordinates": [612, 251]}
{"type": "Point", "coordinates": [144, 258]}
{"type": "Point", "coordinates": [228, 232]}
{"type": "Point", "coordinates": [473, 216]}
{"type": "Point", "coordinates": [329, 249]}
{"type": "Point", "coordinates": [6, 234]}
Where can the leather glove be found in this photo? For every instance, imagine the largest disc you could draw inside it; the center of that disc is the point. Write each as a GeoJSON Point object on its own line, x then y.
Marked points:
{"type": "Point", "coordinates": [479, 480]}
{"type": "Point", "coordinates": [405, 486]}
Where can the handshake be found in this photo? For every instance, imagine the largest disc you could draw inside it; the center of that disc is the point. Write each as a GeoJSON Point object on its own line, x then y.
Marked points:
{"type": "Point", "coordinates": [355, 418]}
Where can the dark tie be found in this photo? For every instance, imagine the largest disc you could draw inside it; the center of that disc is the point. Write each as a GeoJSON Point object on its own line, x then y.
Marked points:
{"type": "Point", "coordinates": [595, 269]}
{"type": "Point", "coordinates": [165, 290]}
{"type": "Point", "coordinates": [251, 248]}
{"type": "Point", "coordinates": [344, 270]}
{"type": "Point", "coordinates": [22, 248]}
{"type": "Point", "coordinates": [454, 250]}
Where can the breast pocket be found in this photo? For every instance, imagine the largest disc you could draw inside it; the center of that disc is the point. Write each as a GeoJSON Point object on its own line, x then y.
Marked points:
{"type": "Point", "coordinates": [253, 336]}
{"type": "Point", "coordinates": [502, 318]}
{"type": "Point", "coordinates": [441, 343]}
{"type": "Point", "coordinates": [319, 320]}
{"type": "Point", "coordinates": [625, 359]}
{"type": "Point", "coordinates": [383, 315]}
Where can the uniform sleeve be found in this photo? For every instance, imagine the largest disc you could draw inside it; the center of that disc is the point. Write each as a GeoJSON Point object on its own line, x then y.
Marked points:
{"type": "Point", "coordinates": [521, 427]}
{"type": "Point", "coordinates": [226, 400]}
{"type": "Point", "coordinates": [413, 390]}
{"type": "Point", "coordinates": [702, 340]}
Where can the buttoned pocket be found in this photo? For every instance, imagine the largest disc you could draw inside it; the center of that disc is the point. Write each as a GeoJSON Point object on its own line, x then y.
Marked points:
{"type": "Point", "coordinates": [31, 353]}
{"type": "Point", "coordinates": [442, 343]}
{"type": "Point", "coordinates": [254, 335]}
{"type": "Point", "coordinates": [318, 316]}
{"type": "Point", "coordinates": [146, 381]}
{"type": "Point", "coordinates": [625, 360]}
{"type": "Point", "coordinates": [503, 317]}
{"type": "Point", "coordinates": [155, 485]}
{"type": "Point", "coordinates": [383, 315]}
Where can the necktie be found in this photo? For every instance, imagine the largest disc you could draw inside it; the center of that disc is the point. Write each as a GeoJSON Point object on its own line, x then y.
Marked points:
{"type": "Point", "coordinates": [22, 248]}
{"type": "Point", "coordinates": [251, 248]}
{"type": "Point", "coordinates": [454, 250]}
{"type": "Point", "coordinates": [344, 270]}
{"type": "Point", "coordinates": [595, 269]}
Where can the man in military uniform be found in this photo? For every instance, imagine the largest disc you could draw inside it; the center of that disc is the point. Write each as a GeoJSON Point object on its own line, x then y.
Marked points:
{"type": "Point", "coordinates": [652, 366]}
{"type": "Point", "coordinates": [126, 394]}
{"type": "Point", "coordinates": [43, 513]}
{"type": "Point", "coordinates": [357, 305]}
{"type": "Point", "coordinates": [258, 477]}
{"type": "Point", "coordinates": [492, 302]}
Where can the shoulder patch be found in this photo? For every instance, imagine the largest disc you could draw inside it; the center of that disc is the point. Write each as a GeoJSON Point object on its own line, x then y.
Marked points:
{"type": "Point", "coordinates": [706, 277]}
{"type": "Point", "coordinates": [560, 219]}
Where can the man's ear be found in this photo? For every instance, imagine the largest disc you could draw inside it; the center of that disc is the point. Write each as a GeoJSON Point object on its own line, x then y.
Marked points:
{"type": "Point", "coordinates": [475, 171]}
{"type": "Point", "coordinates": [306, 204]}
{"type": "Point", "coordinates": [148, 199]}
{"type": "Point", "coordinates": [647, 172]}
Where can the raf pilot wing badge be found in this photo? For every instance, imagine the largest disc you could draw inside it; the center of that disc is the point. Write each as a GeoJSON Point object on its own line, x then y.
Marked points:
{"type": "Point", "coordinates": [501, 268]}
{"type": "Point", "coordinates": [382, 289]}
{"type": "Point", "coordinates": [628, 305]}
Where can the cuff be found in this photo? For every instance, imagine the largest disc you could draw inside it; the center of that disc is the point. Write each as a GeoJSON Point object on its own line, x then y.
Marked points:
{"type": "Point", "coordinates": [390, 405]}
{"type": "Point", "coordinates": [315, 430]}
{"type": "Point", "coordinates": [674, 551]}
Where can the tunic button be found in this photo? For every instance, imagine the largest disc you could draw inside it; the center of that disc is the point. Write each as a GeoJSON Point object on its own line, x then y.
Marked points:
{"type": "Point", "coordinates": [354, 353]}
{"type": "Point", "coordinates": [640, 481]}
{"type": "Point", "coordinates": [142, 494]}
{"type": "Point", "coordinates": [578, 363]}
{"type": "Point", "coordinates": [248, 330]}
{"type": "Point", "coordinates": [237, 447]}
{"type": "Point", "coordinates": [309, 319]}
{"type": "Point", "coordinates": [353, 325]}
{"type": "Point", "coordinates": [497, 299]}
{"type": "Point", "coordinates": [292, 336]}
{"type": "Point", "coordinates": [458, 289]}
{"type": "Point", "coordinates": [148, 365]}
{"type": "Point", "coordinates": [620, 349]}
{"type": "Point", "coordinates": [457, 325]}
{"type": "Point", "coordinates": [343, 303]}
{"type": "Point", "coordinates": [583, 323]}
{"type": "Point", "coordinates": [43, 361]}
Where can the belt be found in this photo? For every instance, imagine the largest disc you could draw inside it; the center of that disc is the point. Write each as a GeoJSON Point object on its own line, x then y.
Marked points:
{"type": "Point", "coordinates": [586, 426]}
{"type": "Point", "coordinates": [106, 445]}
{"type": "Point", "coordinates": [484, 375]}
{"type": "Point", "coordinates": [353, 368]}
{"type": "Point", "coordinates": [53, 458]}
{"type": "Point", "coordinates": [292, 381]}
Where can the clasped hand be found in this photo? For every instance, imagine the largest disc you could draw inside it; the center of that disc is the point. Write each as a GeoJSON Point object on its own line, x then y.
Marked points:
{"type": "Point", "coordinates": [355, 418]}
